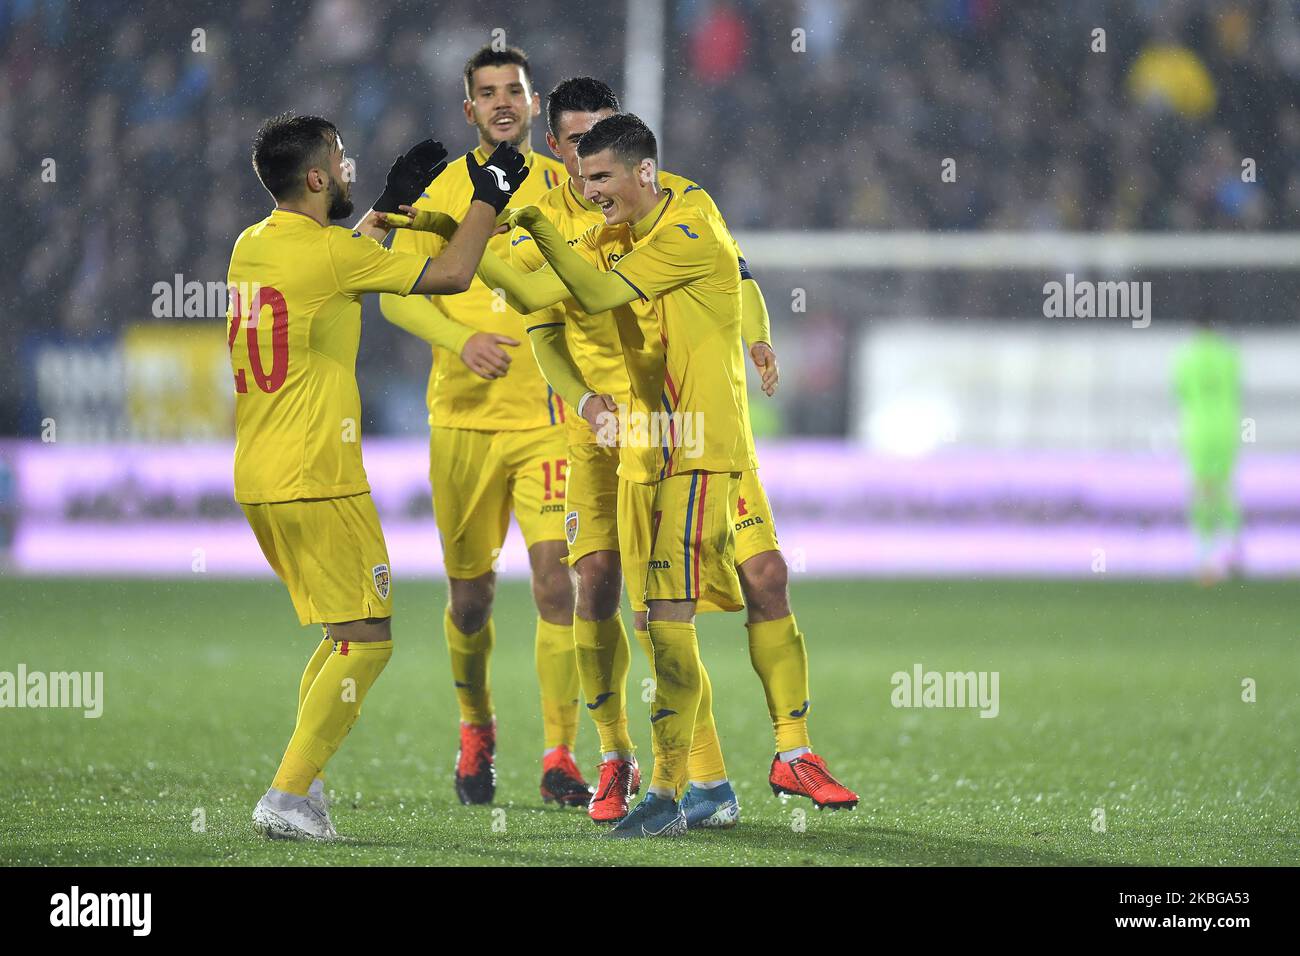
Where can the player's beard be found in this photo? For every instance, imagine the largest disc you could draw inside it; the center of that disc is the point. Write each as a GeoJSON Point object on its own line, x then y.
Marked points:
{"type": "Point", "coordinates": [488, 135]}
{"type": "Point", "coordinates": [340, 201]}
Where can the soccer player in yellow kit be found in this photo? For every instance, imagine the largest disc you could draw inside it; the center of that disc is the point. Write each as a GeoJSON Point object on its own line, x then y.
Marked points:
{"type": "Point", "coordinates": [776, 646]}
{"type": "Point", "coordinates": [676, 499]}
{"type": "Point", "coordinates": [672, 529]}
{"type": "Point", "coordinates": [496, 446]}
{"type": "Point", "coordinates": [293, 328]}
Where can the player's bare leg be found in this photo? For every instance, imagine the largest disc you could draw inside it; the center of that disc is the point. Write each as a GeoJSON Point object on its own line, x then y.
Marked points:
{"type": "Point", "coordinates": [604, 657]}
{"type": "Point", "coordinates": [557, 674]}
{"type": "Point", "coordinates": [470, 637]}
{"type": "Point", "coordinates": [600, 585]}
{"type": "Point", "coordinates": [779, 657]}
{"type": "Point", "coordinates": [337, 679]}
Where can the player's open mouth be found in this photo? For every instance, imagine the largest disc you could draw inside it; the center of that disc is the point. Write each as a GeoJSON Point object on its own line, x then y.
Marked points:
{"type": "Point", "coordinates": [606, 206]}
{"type": "Point", "coordinates": [501, 122]}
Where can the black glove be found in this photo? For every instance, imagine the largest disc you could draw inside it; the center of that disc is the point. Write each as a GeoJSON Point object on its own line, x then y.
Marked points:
{"type": "Point", "coordinates": [410, 175]}
{"type": "Point", "coordinates": [496, 180]}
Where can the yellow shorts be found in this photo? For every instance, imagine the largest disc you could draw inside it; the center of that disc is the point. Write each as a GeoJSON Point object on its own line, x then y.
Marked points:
{"type": "Point", "coordinates": [479, 477]}
{"type": "Point", "coordinates": [677, 540]}
{"type": "Point", "coordinates": [591, 500]}
{"type": "Point", "coordinates": [330, 554]}
{"type": "Point", "coordinates": [755, 531]}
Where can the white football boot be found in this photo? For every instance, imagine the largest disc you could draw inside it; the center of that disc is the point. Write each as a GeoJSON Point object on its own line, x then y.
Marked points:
{"type": "Point", "coordinates": [285, 816]}
{"type": "Point", "coordinates": [316, 794]}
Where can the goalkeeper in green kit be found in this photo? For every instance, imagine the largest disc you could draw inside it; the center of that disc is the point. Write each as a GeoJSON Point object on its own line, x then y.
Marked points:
{"type": "Point", "coordinates": [1207, 384]}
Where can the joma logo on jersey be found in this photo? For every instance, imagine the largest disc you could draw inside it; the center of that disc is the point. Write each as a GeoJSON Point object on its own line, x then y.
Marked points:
{"type": "Point", "coordinates": [571, 527]}
{"type": "Point", "coordinates": [380, 572]}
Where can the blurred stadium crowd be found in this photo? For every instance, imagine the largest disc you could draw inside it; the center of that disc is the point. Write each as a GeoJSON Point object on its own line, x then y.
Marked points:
{"type": "Point", "coordinates": [150, 136]}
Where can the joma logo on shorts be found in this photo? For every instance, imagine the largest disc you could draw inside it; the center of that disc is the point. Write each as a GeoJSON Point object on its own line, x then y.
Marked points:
{"type": "Point", "coordinates": [552, 509]}
{"type": "Point", "coordinates": [749, 522]}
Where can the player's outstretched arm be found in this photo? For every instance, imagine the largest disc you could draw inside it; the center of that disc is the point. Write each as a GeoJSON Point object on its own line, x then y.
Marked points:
{"type": "Point", "coordinates": [452, 272]}
{"type": "Point", "coordinates": [595, 291]}
{"type": "Point", "coordinates": [416, 314]}
{"type": "Point", "coordinates": [525, 292]}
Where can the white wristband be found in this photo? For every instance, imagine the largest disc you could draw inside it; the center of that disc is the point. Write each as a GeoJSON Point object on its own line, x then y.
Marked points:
{"type": "Point", "coordinates": [583, 401]}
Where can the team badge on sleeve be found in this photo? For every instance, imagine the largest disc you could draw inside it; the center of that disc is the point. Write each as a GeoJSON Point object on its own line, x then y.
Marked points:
{"type": "Point", "coordinates": [571, 527]}
{"type": "Point", "coordinates": [381, 580]}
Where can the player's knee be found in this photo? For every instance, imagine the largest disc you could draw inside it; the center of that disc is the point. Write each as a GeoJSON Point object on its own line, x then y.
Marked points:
{"type": "Point", "coordinates": [365, 631]}
{"type": "Point", "coordinates": [553, 591]}
{"type": "Point", "coordinates": [470, 602]}
{"type": "Point", "coordinates": [765, 579]}
{"type": "Point", "coordinates": [673, 611]}
{"type": "Point", "coordinates": [599, 585]}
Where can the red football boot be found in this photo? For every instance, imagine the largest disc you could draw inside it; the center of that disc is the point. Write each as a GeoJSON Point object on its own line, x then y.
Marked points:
{"type": "Point", "coordinates": [807, 776]}
{"type": "Point", "coordinates": [562, 782]}
{"type": "Point", "coordinates": [476, 775]}
{"type": "Point", "coordinates": [619, 780]}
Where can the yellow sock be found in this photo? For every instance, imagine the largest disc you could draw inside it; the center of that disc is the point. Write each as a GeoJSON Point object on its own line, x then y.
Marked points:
{"type": "Point", "coordinates": [471, 656]}
{"type": "Point", "coordinates": [603, 660]}
{"type": "Point", "coordinates": [331, 708]}
{"type": "Point", "coordinates": [314, 665]}
{"type": "Point", "coordinates": [643, 638]}
{"type": "Point", "coordinates": [706, 764]}
{"type": "Point", "coordinates": [557, 676]}
{"type": "Point", "coordinates": [776, 649]}
{"type": "Point", "coordinates": [676, 701]}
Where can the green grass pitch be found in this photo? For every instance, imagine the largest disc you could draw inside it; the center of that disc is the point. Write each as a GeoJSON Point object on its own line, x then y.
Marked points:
{"type": "Point", "coordinates": [1121, 696]}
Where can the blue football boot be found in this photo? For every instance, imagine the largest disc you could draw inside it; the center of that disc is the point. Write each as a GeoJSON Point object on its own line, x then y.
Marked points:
{"type": "Point", "coordinates": [652, 817]}
{"type": "Point", "coordinates": [714, 808]}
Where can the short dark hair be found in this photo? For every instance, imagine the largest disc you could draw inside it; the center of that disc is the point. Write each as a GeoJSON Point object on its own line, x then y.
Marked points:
{"type": "Point", "coordinates": [578, 94]}
{"type": "Point", "coordinates": [487, 56]}
{"type": "Point", "coordinates": [286, 146]}
{"type": "Point", "coordinates": [623, 133]}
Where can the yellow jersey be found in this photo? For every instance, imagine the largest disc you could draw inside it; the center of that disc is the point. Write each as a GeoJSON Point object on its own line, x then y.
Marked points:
{"type": "Point", "coordinates": [680, 339]}
{"type": "Point", "coordinates": [596, 344]}
{"type": "Point", "coordinates": [293, 327]}
{"type": "Point", "coordinates": [457, 397]}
